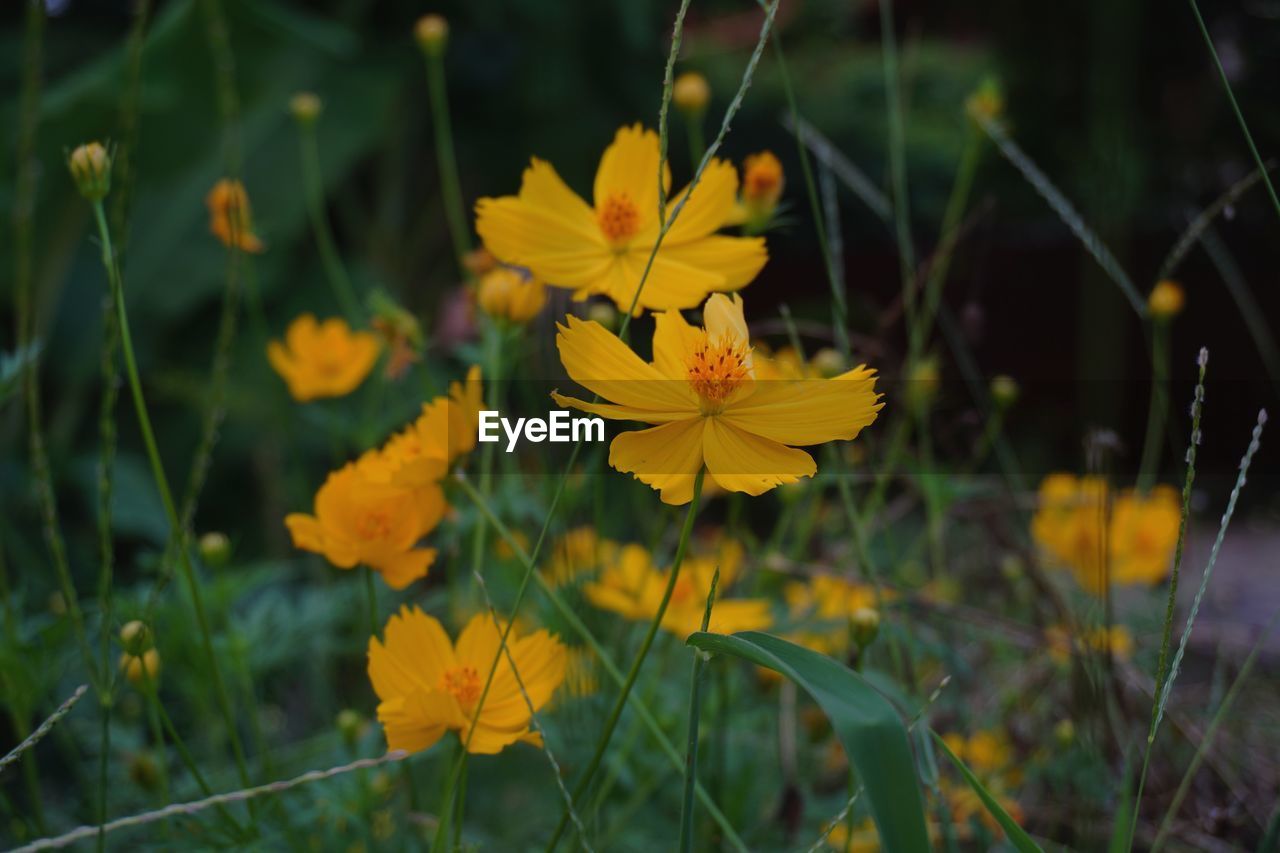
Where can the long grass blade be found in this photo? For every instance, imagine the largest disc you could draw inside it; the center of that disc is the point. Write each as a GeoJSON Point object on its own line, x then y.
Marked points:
{"type": "Point", "coordinates": [854, 179]}
{"type": "Point", "coordinates": [1254, 317]}
{"type": "Point", "coordinates": [44, 728]}
{"type": "Point", "coordinates": [1199, 223]}
{"type": "Point", "coordinates": [1017, 835]}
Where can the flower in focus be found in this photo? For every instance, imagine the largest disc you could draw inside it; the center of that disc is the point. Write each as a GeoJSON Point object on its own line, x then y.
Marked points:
{"type": "Point", "coordinates": [509, 294]}
{"type": "Point", "coordinates": [1126, 540]}
{"type": "Point", "coordinates": [427, 685]}
{"type": "Point", "coordinates": [605, 246]}
{"type": "Point", "coordinates": [230, 217]}
{"type": "Point", "coordinates": [322, 359]}
{"type": "Point", "coordinates": [691, 93]}
{"type": "Point", "coordinates": [709, 409]}
{"type": "Point", "coordinates": [762, 182]}
{"type": "Point", "coordinates": [633, 587]}
{"type": "Point", "coordinates": [1166, 299]}
{"type": "Point", "coordinates": [359, 520]}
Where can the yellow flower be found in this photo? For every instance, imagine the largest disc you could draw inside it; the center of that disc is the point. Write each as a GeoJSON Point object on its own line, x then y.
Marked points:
{"type": "Point", "coordinates": [142, 667]}
{"type": "Point", "coordinates": [690, 93]}
{"type": "Point", "coordinates": [510, 294]}
{"type": "Point", "coordinates": [230, 217]}
{"type": "Point", "coordinates": [427, 686]}
{"type": "Point", "coordinates": [710, 411]}
{"type": "Point", "coordinates": [603, 247]}
{"type": "Point", "coordinates": [322, 359]}
{"type": "Point", "coordinates": [762, 182]}
{"type": "Point", "coordinates": [1097, 639]}
{"type": "Point", "coordinates": [865, 838]}
{"type": "Point", "coordinates": [1166, 299]}
{"type": "Point", "coordinates": [578, 552]}
{"type": "Point", "coordinates": [431, 33]}
{"type": "Point", "coordinates": [633, 587]}
{"type": "Point", "coordinates": [466, 399]}
{"type": "Point", "coordinates": [90, 167]}
{"type": "Point", "coordinates": [1129, 542]}
{"type": "Point", "coordinates": [826, 605]}
{"type": "Point", "coordinates": [986, 752]}
{"type": "Point", "coordinates": [361, 521]}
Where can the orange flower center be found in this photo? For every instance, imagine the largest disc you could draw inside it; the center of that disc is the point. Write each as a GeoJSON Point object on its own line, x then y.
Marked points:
{"type": "Point", "coordinates": [717, 369]}
{"type": "Point", "coordinates": [619, 218]}
{"type": "Point", "coordinates": [373, 525]}
{"type": "Point", "coordinates": [762, 182]}
{"type": "Point", "coordinates": [464, 683]}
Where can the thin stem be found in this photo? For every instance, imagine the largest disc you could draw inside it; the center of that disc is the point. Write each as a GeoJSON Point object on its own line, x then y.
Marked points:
{"type": "Point", "coordinates": [898, 168]}
{"type": "Point", "coordinates": [1235, 107]}
{"type": "Point", "coordinates": [614, 715]}
{"type": "Point", "coordinates": [1159, 411]}
{"type": "Point", "coordinates": [450, 187]}
{"type": "Point", "coordinates": [668, 85]}
{"type": "Point", "coordinates": [697, 139]}
{"type": "Point", "coordinates": [371, 601]}
{"type": "Point", "coordinates": [695, 713]}
{"type": "Point", "coordinates": [177, 530]}
{"type": "Point", "coordinates": [330, 259]}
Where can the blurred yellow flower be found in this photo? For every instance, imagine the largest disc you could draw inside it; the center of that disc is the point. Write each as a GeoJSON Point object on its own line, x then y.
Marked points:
{"type": "Point", "coordinates": [762, 183]}
{"type": "Point", "coordinates": [1127, 540]}
{"type": "Point", "coordinates": [507, 293]}
{"type": "Point", "coordinates": [701, 391]}
{"type": "Point", "coordinates": [579, 552]}
{"type": "Point", "coordinates": [690, 93]}
{"type": "Point", "coordinates": [466, 400]}
{"type": "Point", "coordinates": [426, 685]}
{"type": "Point", "coordinates": [986, 751]}
{"type": "Point", "coordinates": [1166, 299]}
{"type": "Point", "coordinates": [633, 587]}
{"type": "Point", "coordinates": [603, 247]}
{"type": "Point", "coordinates": [1096, 640]}
{"type": "Point", "coordinates": [90, 166]}
{"type": "Point", "coordinates": [378, 524]}
{"type": "Point", "coordinates": [230, 217]}
{"type": "Point", "coordinates": [141, 668]}
{"type": "Point", "coordinates": [825, 607]}
{"type": "Point", "coordinates": [322, 359]}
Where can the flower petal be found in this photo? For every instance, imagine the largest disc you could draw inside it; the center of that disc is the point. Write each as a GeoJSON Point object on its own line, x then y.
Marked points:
{"type": "Point", "coordinates": [674, 340]}
{"type": "Point", "coordinates": [560, 249]}
{"type": "Point", "coordinates": [403, 569]}
{"type": "Point", "coordinates": [808, 411]}
{"type": "Point", "coordinates": [742, 462]}
{"type": "Point", "coordinates": [629, 166]}
{"type": "Point", "coordinates": [665, 457]}
{"type": "Point", "coordinates": [415, 655]}
{"type": "Point", "coordinates": [619, 413]}
{"type": "Point", "coordinates": [709, 208]}
{"type": "Point", "coordinates": [599, 361]}
{"type": "Point", "coordinates": [736, 261]}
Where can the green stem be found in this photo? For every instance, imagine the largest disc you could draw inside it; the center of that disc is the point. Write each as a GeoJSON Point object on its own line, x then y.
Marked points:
{"type": "Point", "coordinates": [697, 139]}
{"type": "Point", "coordinates": [166, 498]}
{"type": "Point", "coordinates": [371, 601]}
{"type": "Point", "coordinates": [898, 168]}
{"type": "Point", "coordinates": [450, 187]}
{"type": "Point", "coordinates": [334, 269]}
{"type": "Point", "coordinates": [1159, 411]}
{"type": "Point", "coordinates": [1235, 107]}
{"type": "Point", "coordinates": [695, 713]}
{"type": "Point", "coordinates": [614, 715]}
{"type": "Point", "coordinates": [104, 743]}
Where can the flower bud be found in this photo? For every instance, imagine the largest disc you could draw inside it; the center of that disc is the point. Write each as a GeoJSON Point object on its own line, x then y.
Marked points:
{"type": "Point", "coordinates": [90, 167]}
{"type": "Point", "coordinates": [986, 102]}
{"type": "Point", "coordinates": [1004, 391]}
{"type": "Point", "coordinates": [144, 770]}
{"type": "Point", "coordinates": [479, 261]}
{"type": "Point", "coordinates": [432, 33]}
{"type": "Point", "coordinates": [306, 107]}
{"type": "Point", "coordinates": [135, 637]}
{"type": "Point", "coordinates": [349, 725]}
{"type": "Point", "coordinates": [1064, 732]}
{"type": "Point", "coordinates": [690, 93]}
{"type": "Point", "coordinates": [510, 294]}
{"type": "Point", "coordinates": [215, 548]}
{"type": "Point", "coordinates": [604, 314]}
{"type": "Point", "coordinates": [865, 625]}
{"type": "Point", "coordinates": [1166, 300]}
{"type": "Point", "coordinates": [762, 182]}
{"type": "Point", "coordinates": [923, 382]}
{"type": "Point", "coordinates": [828, 362]}
{"type": "Point", "coordinates": [141, 668]}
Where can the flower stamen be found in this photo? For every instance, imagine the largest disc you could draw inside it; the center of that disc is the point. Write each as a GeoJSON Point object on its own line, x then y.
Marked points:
{"type": "Point", "coordinates": [619, 218]}
{"type": "Point", "coordinates": [717, 369]}
{"type": "Point", "coordinates": [464, 683]}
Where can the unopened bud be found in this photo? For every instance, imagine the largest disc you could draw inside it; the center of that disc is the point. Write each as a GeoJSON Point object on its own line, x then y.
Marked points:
{"type": "Point", "coordinates": [215, 548]}
{"type": "Point", "coordinates": [865, 625]}
{"type": "Point", "coordinates": [690, 93]}
{"type": "Point", "coordinates": [1004, 390]}
{"type": "Point", "coordinates": [306, 107]}
{"type": "Point", "coordinates": [135, 637]}
{"type": "Point", "coordinates": [90, 166]}
{"type": "Point", "coordinates": [141, 668]}
{"type": "Point", "coordinates": [1166, 300]}
{"type": "Point", "coordinates": [604, 314]}
{"type": "Point", "coordinates": [1064, 732]}
{"type": "Point", "coordinates": [828, 362]}
{"type": "Point", "coordinates": [349, 725]}
{"type": "Point", "coordinates": [144, 770]}
{"type": "Point", "coordinates": [432, 33]}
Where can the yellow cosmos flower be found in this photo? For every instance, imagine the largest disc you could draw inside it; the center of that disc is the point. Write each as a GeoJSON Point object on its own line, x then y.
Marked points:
{"type": "Point", "coordinates": [702, 392]}
{"type": "Point", "coordinates": [603, 247]}
{"type": "Point", "coordinates": [467, 399]}
{"type": "Point", "coordinates": [1127, 540]}
{"type": "Point", "coordinates": [633, 587]}
{"type": "Point", "coordinates": [322, 359]}
{"type": "Point", "coordinates": [1096, 640]}
{"type": "Point", "coordinates": [230, 217]}
{"type": "Point", "coordinates": [762, 182]}
{"type": "Point", "coordinates": [509, 294]}
{"type": "Point", "coordinates": [359, 520]}
{"type": "Point", "coordinates": [825, 606]}
{"type": "Point", "coordinates": [986, 752]}
{"type": "Point", "coordinates": [577, 553]}
{"type": "Point", "coordinates": [427, 685]}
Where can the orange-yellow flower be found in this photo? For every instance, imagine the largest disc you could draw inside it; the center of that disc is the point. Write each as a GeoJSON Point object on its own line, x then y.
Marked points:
{"type": "Point", "coordinates": [467, 399]}
{"type": "Point", "coordinates": [1098, 640]}
{"type": "Point", "coordinates": [322, 359]}
{"type": "Point", "coordinates": [230, 217]}
{"type": "Point", "coordinates": [426, 685]}
{"type": "Point", "coordinates": [507, 293]}
{"type": "Point", "coordinates": [578, 553]}
{"type": "Point", "coordinates": [359, 520]}
{"type": "Point", "coordinates": [633, 587]}
{"type": "Point", "coordinates": [701, 391]}
{"type": "Point", "coordinates": [1126, 540]}
{"type": "Point", "coordinates": [603, 247]}
{"type": "Point", "coordinates": [824, 607]}
{"type": "Point", "coordinates": [762, 182]}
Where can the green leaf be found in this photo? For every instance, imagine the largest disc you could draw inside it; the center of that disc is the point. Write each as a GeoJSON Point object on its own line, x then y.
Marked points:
{"type": "Point", "coordinates": [1016, 835]}
{"type": "Point", "coordinates": [872, 732]}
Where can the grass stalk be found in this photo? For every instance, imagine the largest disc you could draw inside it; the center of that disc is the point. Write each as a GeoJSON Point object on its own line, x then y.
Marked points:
{"type": "Point", "coordinates": [1159, 411]}
{"type": "Point", "coordinates": [446, 161]}
{"type": "Point", "coordinates": [898, 168]}
{"type": "Point", "coordinates": [695, 713]}
{"type": "Point", "coordinates": [321, 228]}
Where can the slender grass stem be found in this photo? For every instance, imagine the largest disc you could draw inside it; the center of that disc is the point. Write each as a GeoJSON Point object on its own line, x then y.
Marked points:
{"type": "Point", "coordinates": [1235, 107]}
{"type": "Point", "coordinates": [611, 722]}
{"type": "Point", "coordinates": [898, 168]}
{"type": "Point", "coordinates": [177, 530]}
{"type": "Point", "coordinates": [330, 259]}
{"type": "Point", "coordinates": [1159, 411]}
{"type": "Point", "coordinates": [668, 86]}
{"type": "Point", "coordinates": [697, 139]}
{"type": "Point", "coordinates": [446, 161]}
{"type": "Point", "coordinates": [695, 712]}
{"type": "Point", "coordinates": [371, 600]}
